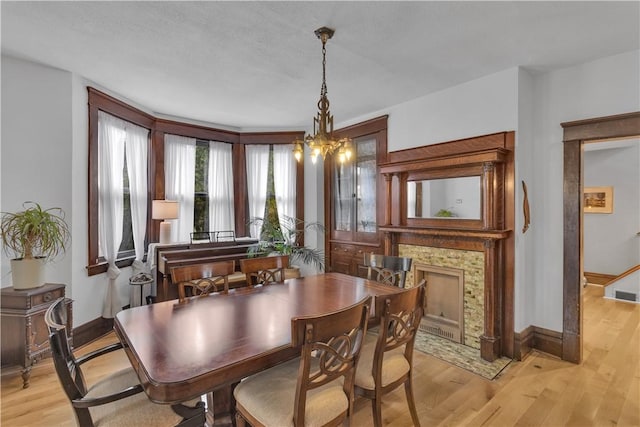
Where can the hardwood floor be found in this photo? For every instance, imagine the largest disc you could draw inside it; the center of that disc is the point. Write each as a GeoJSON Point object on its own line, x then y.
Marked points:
{"type": "Point", "coordinates": [539, 391]}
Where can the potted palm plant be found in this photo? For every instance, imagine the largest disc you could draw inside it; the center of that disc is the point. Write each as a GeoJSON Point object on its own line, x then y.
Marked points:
{"type": "Point", "coordinates": [33, 236]}
{"type": "Point", "coordinates": [283, 238]}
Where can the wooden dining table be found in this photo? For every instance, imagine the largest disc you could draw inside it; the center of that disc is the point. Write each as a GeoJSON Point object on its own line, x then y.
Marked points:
{"type": "Point", "coordinates": [184, 350]}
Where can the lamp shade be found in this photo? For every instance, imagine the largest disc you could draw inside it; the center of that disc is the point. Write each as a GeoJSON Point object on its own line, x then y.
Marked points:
{"type": "Point", "coordinates": [164, 209]}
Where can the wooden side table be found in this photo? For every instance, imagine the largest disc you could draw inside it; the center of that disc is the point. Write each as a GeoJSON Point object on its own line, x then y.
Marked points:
{"type": "Point", "coordinates": [25, 336]}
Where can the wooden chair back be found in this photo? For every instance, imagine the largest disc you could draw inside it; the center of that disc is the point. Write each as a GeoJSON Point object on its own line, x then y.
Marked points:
{"type": "Point", "coordinates": [202, 279]}
{"type": "Point", "coordinates": [401, 314]}
{"type": "Point", "coordinates": [391, 270]}
{"type": "Point", "coordinates": [66, 365]}
{"type": "Point", "coordinates": [264, 270]}
{"type": "Point", "coordinates": [331, 345]}
{"type": "Point", "coordinates": [400, 318]}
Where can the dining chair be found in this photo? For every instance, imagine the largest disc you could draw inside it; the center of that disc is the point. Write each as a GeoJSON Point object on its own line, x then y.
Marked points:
{"type": "Point", "coordinates": [391, 270]}
{"type": "Point", "coordinates": [316, 388]}
{"type": "Point", "coordinates": [115, 400]}
{"type": "Point", "coordinates": [264, 270]}
{"type": "Point", "coordinates": [202, 279]}
{"type": "Point", "coordinates": [387, 357]}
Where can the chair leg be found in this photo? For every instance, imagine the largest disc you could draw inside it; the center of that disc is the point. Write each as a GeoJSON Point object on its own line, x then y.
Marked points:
{"type": "Point", "coordinates": [408, 389]}
{"type": "Point", "coordinates": [240, 421]}
{"type": "Point", "coordinates": [376, 406]}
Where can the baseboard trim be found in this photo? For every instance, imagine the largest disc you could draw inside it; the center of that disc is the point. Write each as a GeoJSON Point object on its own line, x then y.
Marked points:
{"type": "Point", "coordinates": [523, 343]}
{"type": "Point", "coordinates": [541, 339]}
{"type": "Point", "coordinates": [91, 330]}
{"type": "Point", "coordinates": [598, 278]}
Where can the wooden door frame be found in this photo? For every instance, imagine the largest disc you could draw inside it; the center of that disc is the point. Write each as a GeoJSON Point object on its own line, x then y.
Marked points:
{"type": "Point", "coordinates": [576, 133]}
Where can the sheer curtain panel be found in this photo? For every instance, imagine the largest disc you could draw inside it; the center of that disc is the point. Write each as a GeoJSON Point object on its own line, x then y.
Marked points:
{"type": "Point", "coordinates": [179, 182]}
{"type": "Point", "coordinates": [136, 146]}
{"type": "Point", "coordinates": [257, 166]}
{"type": "Point", "coordinates": [221, 211]}
{"type": "Point", "coordinates": [111, 137]}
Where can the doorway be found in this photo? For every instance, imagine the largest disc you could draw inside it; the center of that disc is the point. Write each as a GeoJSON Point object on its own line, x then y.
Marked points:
{"type": "Point", "coordinates": [576, 134]}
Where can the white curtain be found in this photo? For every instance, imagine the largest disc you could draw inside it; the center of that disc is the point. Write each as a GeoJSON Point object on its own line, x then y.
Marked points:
{"type": "Point", "coordinates": [221, 211]}
{"type": "Point", "coordinates": [284, 178]}
{"type": "Point", "coordinates": [257, 159]}
{"type": "Point", "coordinates": [136, 146]}
{"type": "Point", "coordinates": [111, 137]}
{"type": "Point", "coordinates": [179, 182]}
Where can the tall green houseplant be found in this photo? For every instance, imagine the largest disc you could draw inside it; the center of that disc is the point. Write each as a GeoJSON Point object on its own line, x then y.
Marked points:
{"type": "Point", "coordinates": [33, 236]}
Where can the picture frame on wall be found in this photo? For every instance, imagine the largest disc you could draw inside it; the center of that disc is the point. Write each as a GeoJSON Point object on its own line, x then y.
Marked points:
{"type": "Point", "coordinates": [598, 200]}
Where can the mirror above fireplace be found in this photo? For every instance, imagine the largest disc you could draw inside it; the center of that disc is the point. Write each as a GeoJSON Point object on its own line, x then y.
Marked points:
{"type": "Point", "coordinates": [446, 198]}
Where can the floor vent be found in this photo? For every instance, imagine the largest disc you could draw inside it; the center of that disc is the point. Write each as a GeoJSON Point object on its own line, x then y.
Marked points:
{"type": "Point", "coordinates": [627, 296]}
{"type": "Point", "coordinates": [441, 332]}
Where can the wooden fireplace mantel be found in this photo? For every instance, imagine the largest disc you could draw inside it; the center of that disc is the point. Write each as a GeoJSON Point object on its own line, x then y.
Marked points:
{"type": "Point", "coordinates": [491, 158]}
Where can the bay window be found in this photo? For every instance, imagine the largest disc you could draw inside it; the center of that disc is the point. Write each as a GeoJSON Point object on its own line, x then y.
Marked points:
{"type": "Point", "coordinates": [215, 175]}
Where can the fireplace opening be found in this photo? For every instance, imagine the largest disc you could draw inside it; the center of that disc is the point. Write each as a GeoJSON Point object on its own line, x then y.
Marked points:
{"type": "Point", "coordinates": [444, 301]}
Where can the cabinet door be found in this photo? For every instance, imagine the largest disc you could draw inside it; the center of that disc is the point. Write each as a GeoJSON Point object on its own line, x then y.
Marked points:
{"type": "Point", "coordinates": [37, 333]}
{"type": "Point", "coordinates": [354, 190]}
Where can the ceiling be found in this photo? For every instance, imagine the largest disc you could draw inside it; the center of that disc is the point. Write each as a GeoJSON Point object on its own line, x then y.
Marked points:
{"type": "Point", "coordinates": [258, 65]}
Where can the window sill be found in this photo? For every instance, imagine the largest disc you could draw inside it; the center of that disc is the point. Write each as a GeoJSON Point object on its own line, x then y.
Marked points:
{"type": "Point", "coordinates": [102, 267]}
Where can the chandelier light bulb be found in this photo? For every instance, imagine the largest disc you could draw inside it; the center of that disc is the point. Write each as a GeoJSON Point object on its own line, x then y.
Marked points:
{"type": "Point", "coordinates": [348, 154]}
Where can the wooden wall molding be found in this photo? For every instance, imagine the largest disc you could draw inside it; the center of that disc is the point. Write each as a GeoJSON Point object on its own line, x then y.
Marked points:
{"type": "Point", "coordinates": [541, 339]}
{"type": "Point", "coordinates": [575, 134]}
{"type": "Point", "coordinates": [91, 330]}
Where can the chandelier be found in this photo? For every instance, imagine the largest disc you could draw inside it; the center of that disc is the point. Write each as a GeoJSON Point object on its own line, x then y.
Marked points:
{"type": "Point", "coordinates": [323, 142]}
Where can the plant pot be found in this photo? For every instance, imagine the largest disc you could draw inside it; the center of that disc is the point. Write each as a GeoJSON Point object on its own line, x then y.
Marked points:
{"type": "Point", "coordinates": [27, 273]}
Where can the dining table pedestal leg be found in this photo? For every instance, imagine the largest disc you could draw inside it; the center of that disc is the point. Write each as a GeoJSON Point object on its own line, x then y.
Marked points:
{"type": "Point", "coordinates": [221, 406]}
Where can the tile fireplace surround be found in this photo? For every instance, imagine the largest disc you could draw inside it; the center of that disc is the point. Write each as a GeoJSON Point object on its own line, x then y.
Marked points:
{"type": "Point", "coordinates": [472, 263]}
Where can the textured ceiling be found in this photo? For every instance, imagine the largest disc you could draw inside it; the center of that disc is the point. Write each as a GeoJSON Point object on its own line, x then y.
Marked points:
{"type": "Point", "coordinates": [257, 65]}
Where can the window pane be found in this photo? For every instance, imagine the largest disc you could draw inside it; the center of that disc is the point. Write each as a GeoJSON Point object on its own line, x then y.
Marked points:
{"type": "Point", "coordinates": [127, 228]}
{"type": "Point", "coordinates": [201, 196]}
{"type": "Point", "coordinates": [366, 169]}
{"type": "Point", "coordinates": [201, 212]}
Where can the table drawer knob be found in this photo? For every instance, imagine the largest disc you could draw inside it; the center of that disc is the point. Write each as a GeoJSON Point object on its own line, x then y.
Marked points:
{"type": "Point", "coordinates": [48, 296]}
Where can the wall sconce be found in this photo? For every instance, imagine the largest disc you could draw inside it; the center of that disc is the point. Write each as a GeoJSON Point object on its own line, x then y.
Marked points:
{"type": "Point", "coordinates": [164, 210]}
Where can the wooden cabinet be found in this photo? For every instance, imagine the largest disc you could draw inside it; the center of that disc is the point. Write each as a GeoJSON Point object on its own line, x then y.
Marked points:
{"type": "Point", "coordinates": [349, 258]}
{"type": "Point", "coordinates": [25, 337]}
{"type": "Point", "coordinates": [355, 198]}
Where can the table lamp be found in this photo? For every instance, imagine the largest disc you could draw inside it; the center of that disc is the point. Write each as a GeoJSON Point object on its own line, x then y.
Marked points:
{"type": "Point", "coordinates": [164, 210]}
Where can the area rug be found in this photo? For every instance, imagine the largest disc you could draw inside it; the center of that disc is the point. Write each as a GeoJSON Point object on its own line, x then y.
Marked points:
{"type": "Point", "coordinates": [459, 355]}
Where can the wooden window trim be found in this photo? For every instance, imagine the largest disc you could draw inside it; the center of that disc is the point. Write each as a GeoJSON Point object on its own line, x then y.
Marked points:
{"type": "Point", "coordinates": [158, 127]}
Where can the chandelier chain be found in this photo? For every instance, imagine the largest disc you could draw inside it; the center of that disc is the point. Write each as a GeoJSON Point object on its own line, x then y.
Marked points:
{"type": "Point", "coordinates": [323, 89]}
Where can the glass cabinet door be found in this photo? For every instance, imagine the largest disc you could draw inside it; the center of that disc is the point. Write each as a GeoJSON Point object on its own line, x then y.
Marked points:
{"type": "Point", "coordinates": [354, 189]}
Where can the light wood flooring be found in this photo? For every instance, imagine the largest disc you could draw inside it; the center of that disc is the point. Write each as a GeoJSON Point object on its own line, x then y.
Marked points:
{"type": "Point", "coordinates": [539, 391]}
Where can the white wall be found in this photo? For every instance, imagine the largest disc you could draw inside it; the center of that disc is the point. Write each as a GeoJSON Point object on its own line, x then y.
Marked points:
{"type": "Point", "coordinates": [599, 88]}
{"type": "Point", "coordinates": [479, 107]}
{"type": "Point", "coordinates": [37, 148]}
{"type": "Point", "coordinates": [44, 159]}
{"type": "Point", "coordinates": [610, 241]}
{"type": "Point", "coordinates": [524, 294]}
{"type": "Point", "coordinates": [629, 284]}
